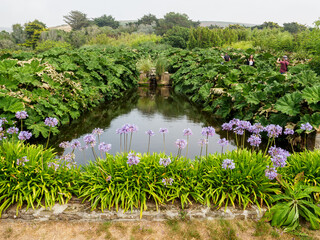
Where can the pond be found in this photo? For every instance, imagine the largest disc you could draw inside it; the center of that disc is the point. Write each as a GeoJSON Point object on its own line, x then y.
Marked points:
{"type": "Point", "coordinates": [149, 109]}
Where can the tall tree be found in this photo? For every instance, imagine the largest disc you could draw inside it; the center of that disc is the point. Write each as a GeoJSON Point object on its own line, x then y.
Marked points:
{"type": "Point", "coordinates": [33, 31]}
{"type": "Point", "coordinates": [271, 25]}
{"type": "Point", "coordinates": [18, 33]}
{"type": "Point", "coordinates": [77, 20]}
{"type": "Point", "coordinates": [294, 27]}
{"type": "Point", "coordinates": [173, 19]}
{"type": "Point", "coordinates": [105, 20]}
{"type": "Point", "coordinates": [148, 19]}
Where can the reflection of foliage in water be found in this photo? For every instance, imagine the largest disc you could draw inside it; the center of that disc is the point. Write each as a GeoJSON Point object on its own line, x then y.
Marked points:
{"type": "Point", "coordinates": [99, 117]}
{"type": "Point", "coordinates": [148, 101]}
{"type": "Point", "coordinates": [171, 105]}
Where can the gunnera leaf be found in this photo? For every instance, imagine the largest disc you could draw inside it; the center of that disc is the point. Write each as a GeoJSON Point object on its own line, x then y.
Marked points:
{"type": "Point", "coordinates": [311, 94]}
{"type": "Point", "coordinates": [289, 103]}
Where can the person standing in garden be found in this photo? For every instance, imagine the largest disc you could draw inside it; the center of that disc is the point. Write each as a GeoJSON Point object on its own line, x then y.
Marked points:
{"type": "Point", "coordinates": [283, 64]}
{"type": "Point", "coordinates": [250, 61]}
{"type": "Point", "coordinates": [226, 57]}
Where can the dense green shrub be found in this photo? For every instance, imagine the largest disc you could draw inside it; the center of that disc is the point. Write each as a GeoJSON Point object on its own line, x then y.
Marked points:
{"type": "Point", "coordinates": [32, 181]}
{"type": "Point", "coordinates": [63, 83]}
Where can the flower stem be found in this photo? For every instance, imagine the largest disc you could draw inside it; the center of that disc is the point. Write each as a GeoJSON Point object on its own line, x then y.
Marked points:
{"type": "Point", "coordinates": [207, 146]}
{"type": "Point", "coordinates": [48, 138]}
{"type": "Point", "coordinates": [187, 147]}
{"type": "Point", "coordinates": [149, 144]}
{"type": "Point", "coordinates": [164, 144]}
{"type": "Point", "coordinates": [130, 141]}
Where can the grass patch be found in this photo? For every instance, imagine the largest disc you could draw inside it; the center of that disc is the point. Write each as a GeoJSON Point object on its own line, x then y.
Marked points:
{"type": "Point", "coordinates": [105, 228]}
{"type": "Point", "coordinates": [8, 233]}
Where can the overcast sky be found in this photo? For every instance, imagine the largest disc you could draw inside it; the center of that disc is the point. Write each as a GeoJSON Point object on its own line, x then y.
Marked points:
{"type": "Point", "coordinates": [51, 12]}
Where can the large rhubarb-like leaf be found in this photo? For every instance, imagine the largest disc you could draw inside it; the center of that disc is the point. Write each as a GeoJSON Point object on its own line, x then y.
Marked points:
{"type": "Point", "coordinates": [289, 103]}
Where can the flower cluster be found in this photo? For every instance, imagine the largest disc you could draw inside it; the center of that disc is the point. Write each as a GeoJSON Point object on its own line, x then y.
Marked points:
{"type": "Point", "coordinates": [163, 130]}
{"type": "Point", "coordinates": [133, 159]}
{"type": "Point", "coordinates": [24, 135]}
{"type": "Point", "coordinates": [278, 156]}
{"type": "Point", "coordinates": [75, 144]}
{"type": "Point", "coordinates": [208, 131]}
{"type": "Point", "coordinates": [254, 140]}
{"type": "Point", "coordinates": [22, 115]}
{"type": "Point", "coordinates": [150, 133]}
{"type": "Point", "coordinates": [288, 131]}
{"type": "Point", "coordinates": [167, 181]}
{"type": "Point", "coordinates": [228, 164]}
{"type": "Point", "coordinates": [271, 172]}
{"type": "Point", "coordinates": [51, 122]}
{"type": "Point", "coordinates": [13, 130]}
{"type": "Point", "coordinates": [273, 131]}
{"type": "Point", "coordinates": [127, 128]}
{"type": "Point", "coordinates": [306, 127]}
{"type": "Point", "coordinates": [64, 144]}
{"type": "Point", "coordinates": [103, 147]}
{"type": "Point", "coordinates": [90, 140]}
{"type": "Point", "coordinates": [54, 165]}
{"type": "Point", "coordinates": [187, 132]}
{"type": "Point", "coordinates": [181, 143]}
{"type": "Point", "coordinates": [223, 142]}
{"type": "Point", "coordinates": [22, 161]}
{"type": "Point", "coordinates": [165, 161]}
{"type": "Point", "coordinates": [97, 131]}
{"type": "Point", "coordinates": [203, 142]}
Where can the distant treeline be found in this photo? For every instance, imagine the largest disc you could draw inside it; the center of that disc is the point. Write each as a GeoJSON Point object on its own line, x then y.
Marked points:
{"type": "Point", "coordinates": [174, 29]}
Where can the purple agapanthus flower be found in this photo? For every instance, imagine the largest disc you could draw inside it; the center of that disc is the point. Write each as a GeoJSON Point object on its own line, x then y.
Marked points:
{"type": "Point", "coordinates": [90, 140]}
{"type": "Point", "coordinates": [273, 131]}
{"type": "Point", "coordinates": [119, 131]}
{"type": "Point", "coordinates": [69, 157]}
{"type": "Point", "coordinates": [256, 128]}
{"type": "Point", "coordinates": [51, 122]}
{"type": "Point", "coordinates": [228, 164]}
{"type": "Point", "coordinates": [163, 130]}
{"type": "Point", "coordinates": [238, 131]}
{"type": "Point", "coordinates": [22, 115]}
{"type": "Point", "coordinates": [103, 147]}
{"type": "Point", "coordinates": [223, 142]}
{"type": "Point", "coordinates": [24, 135]}
{"type": "Point", "coordinates": [273, 151]}
{"type": "Point", "coordinates": [75, 144]}
{"type": "Point", "coordinates": [227, 126]}
{"type": "Point", "coordinates": [181, 143]}
{"type": "Point", "coordinates": [133, 159]}
{"type": "Point", "coordinates": [306, 127]}
{"type": "Point", "coordinates": [13, 130]}
{"type": "Point", "coordinates": [150, 133]}
{"type": "Point", "coordinates": [132, 128]}
{"type": "Point", "coordinates": [65, 144]}
{"type": "Point", "coordinates": [97, 131]}
{"type": "Point", "coordinates": [52, 164]}
{"type": "Point", "coordinates": [271, 172]}
{"type": "Point", "coordinates": [187, 132]}
{"type": "Point", "coordinates": [278, 156]}
{"type": "Point", "coordinates": [165, 161]}
{"type": "Point", "coordinates": [208, 131]}
{"type": "Point", "coordinates": [203, 142]}
{"type": "Point", "coordinates": [254, 140]}
{"type": "Point", "coordinates": [22, 161]}
{"type": "Point", "coordinates": [167, 181]}
{"type": "Point", "coordinates": [245, 125]}
{"type": "Point", "coordinates": [288, 131]}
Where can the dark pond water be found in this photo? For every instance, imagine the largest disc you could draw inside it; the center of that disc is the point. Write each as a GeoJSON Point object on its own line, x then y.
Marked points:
{"type": "Point", "coordinates": [148, 108]}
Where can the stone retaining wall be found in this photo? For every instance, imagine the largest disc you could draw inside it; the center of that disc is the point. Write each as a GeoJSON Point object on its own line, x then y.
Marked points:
{"type": "Point", "coordinates": [77, 211]}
